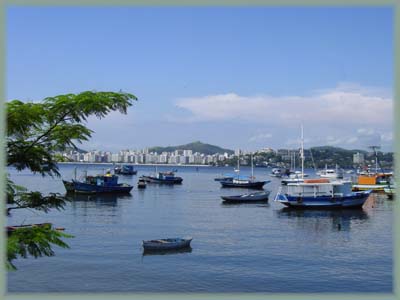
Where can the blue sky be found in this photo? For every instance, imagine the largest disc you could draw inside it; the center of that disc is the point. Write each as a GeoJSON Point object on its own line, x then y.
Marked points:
{"type": "Point", "coordinates": [238, 77]}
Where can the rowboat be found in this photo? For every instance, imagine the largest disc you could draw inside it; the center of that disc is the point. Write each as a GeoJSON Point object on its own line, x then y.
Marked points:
{"type": "Point", "coordinates": [247, 198]}
{"type": "Point", "coordinates": [167, 244]}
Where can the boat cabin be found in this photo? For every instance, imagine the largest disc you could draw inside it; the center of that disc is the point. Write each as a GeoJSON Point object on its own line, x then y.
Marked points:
{"type": "Point", "coordinates": [104, 180]}
{"type": "Point", "coordinates": [317, 188]}
{"type": "Point", "coordinates": [379, 178]}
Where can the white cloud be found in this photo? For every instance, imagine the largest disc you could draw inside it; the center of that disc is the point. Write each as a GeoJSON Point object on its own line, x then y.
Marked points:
{"type": "Point", "coordinates": [344, 104]}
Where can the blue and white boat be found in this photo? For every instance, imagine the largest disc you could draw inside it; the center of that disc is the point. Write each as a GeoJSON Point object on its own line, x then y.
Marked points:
{"type": "Point", "coordinates": [107, 183]}
{"type": "Point", "coordinates": [163, 178]}
{"type": "Point", "coordinates": [321, 193]}
{"type": "Point", "coordinates": [125, 170]}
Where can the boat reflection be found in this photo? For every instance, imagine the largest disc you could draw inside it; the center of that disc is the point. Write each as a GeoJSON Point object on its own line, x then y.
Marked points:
{"type": "Point", "coordinates": [101, 199]}
{"type": "Point", "coordinates": [340, 219]}
{"type": "Point", "coordinates": [167, 252]}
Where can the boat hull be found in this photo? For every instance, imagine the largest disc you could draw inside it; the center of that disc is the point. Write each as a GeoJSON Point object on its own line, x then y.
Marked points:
{"type": "Point", "coordinates": [249, 185]}
{"type": "Point", "coordinates": [81, 187]}
{"type": "Point", "coordinates": [247, 198]}
{"type": "Point", "coordinates": [151, 179]}
{"type": "Point", "coordinates": [166, 244]}
{"type": "Point", "coordinates": [356, 200]}
{"type": "Point", "coordinates": [367, 187]}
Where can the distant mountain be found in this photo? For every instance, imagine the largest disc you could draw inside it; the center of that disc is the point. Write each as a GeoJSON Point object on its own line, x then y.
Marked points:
{"type": "Point", "coordinates": [195, 147]}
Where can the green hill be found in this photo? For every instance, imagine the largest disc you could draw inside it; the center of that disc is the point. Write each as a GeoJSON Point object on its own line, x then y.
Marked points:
{"type": "Point", "coordinates": [195, 147]}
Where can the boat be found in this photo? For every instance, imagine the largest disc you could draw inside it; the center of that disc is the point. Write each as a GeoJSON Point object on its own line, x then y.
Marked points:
{"type": "Point", "coordinates": [296, 176]}
{"type": "Point", "coordinates": [125, 170]}
{"type": "Point", "coordinates": [276, 172]}
{"type": "Point", "coordinates": [225, 177]}
{"type": "Point", "coordinates": [107, 183]}
{"type": "Point", "coordinates": [330, 173]}
{"type": "Point", "coordinates": [244, 181]}
{"type": "Point", "coordinates": [247, 198]}
{"type": "Point", "coordinates": [141, 183]}
{"type": "Point", "coordinates": [321, 193]}
{"type": "Point", "coordinates": [10, 229]}
{"type": "Point", "coordinates": [376, 182]}
{"type": "Point", "coordinates": [163, 178]}
{"type": "Point", "coordinates": [167, 244]}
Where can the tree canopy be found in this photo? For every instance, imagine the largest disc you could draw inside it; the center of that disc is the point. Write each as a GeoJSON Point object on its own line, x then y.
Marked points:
{"type": "Point", "coordinates": [35, 130]}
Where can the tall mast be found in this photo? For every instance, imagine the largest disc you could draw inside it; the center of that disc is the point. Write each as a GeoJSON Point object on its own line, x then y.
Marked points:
{"type": "Point", "coordinates": [302, 152]}
{"type": "Point", "coordinates": [252, 169]}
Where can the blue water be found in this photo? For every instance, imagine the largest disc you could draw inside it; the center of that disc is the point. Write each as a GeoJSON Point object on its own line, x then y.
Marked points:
{"type": "Point", "coordinates": [235, 248]}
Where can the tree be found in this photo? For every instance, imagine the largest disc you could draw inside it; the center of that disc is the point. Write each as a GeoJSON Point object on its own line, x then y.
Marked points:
{"type": "Point", "coordinates": [34, 132]}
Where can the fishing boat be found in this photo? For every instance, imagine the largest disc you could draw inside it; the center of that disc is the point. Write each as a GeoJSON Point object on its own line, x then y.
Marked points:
{"type": "Point", "coordinates": [167, 244]}
{"type": "Point", "coordinates": [247, 198]}
{"type": "Point", "coordinates": [12, 228]}
{"type": "Point", "coordinates": [163, 178]}
{"type": "Point", "coordinates": [321, 193]}
{"type": "Point", "coordinates": [125, 170]}
{"type": "Point", "coordinates": [107, 183]}
{"type": "Point", "coordinates": [141, 183]}
{"type": "Point", "coordinates": [376, 182]}
{"type": "Point", "coordinates": [225, 177]}
{"type": "Point", "coordinates": [244, 181]}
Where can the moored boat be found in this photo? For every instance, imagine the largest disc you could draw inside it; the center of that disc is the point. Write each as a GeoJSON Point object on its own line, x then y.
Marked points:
{"type": "Point", "coordinates": [167, 244]}
{"type": "Point", "coordinates": [163, 178]}
{"type": "Point", "coordinates": [247, 198]}
{"type": "Point", "coordinates": [107, 183]}
{"type": "Point", "coordinates": [244, 183]}
{"type": "Point", "coordinates": [276, 172]}
{"type": "Point", "coordinates": [321, 193]}
{"type": "Point", "coordinates": [376, 182]}
{"type": "Point", "coordinates": [125, 170]}
{"type": "Point", "coordinates": [141, 183]}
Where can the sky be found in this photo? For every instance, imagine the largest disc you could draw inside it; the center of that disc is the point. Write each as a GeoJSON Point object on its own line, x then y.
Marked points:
{"type": "Point", "coordinates": [237, 77]}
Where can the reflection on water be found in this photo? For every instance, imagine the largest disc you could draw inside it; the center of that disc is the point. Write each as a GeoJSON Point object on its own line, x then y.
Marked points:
{"type": "Point", "coordinates": [100, 199]}
{"type": "Point", "coordinates": [167, 252]}
{"type": "Point", "coordinates": [340, 219]}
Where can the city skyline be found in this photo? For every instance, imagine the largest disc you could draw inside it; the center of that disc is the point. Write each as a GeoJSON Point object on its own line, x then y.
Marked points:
{"type": "Point", "coordinates": [246, 78]}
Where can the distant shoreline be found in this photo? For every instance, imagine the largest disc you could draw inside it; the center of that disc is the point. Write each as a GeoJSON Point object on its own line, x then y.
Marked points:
{"type": "Point", "coordinates": [103, 163]}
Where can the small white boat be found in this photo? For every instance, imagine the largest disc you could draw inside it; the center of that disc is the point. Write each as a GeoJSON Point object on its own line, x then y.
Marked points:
{"type": "Point", "coordinates": [167, 244]}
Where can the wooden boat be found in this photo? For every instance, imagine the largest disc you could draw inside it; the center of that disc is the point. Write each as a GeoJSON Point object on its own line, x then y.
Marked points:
{"type": "Point", "coordinates": [11, 229]}
{"type": "Point", "coordinates": [239, 181]}
{"type": "Point", "coordinates": [247, 198]}
{"type": "Point", "coordinates": [164, 178]}
{"type": "Point", "coordinates": [376, 182]}
{"type": "Point", "coordinates": [141, 183]}
{"type": "Point", "coordinates": [107, 183]}
{"type": "Point", "coordinates": [243, 183]}
{"type": "Point", "coordinates": [321, 194]}
{"type": "Point", "coordinates": [167, 244]}
{"type": "Point", "coordinates": [125, 170]}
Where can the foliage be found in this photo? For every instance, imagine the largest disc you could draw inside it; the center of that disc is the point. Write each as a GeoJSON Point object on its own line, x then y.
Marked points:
{"type": "Point", "coordinates": [35, 241]}
{"type": "Point", "coordinates": [34, 132]}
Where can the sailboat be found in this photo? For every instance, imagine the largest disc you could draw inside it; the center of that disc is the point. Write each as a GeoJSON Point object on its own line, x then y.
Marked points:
{"type": "Point", "coordinates": [297, 176]}
{"type": "Point", "coordinates": [244, 182]}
